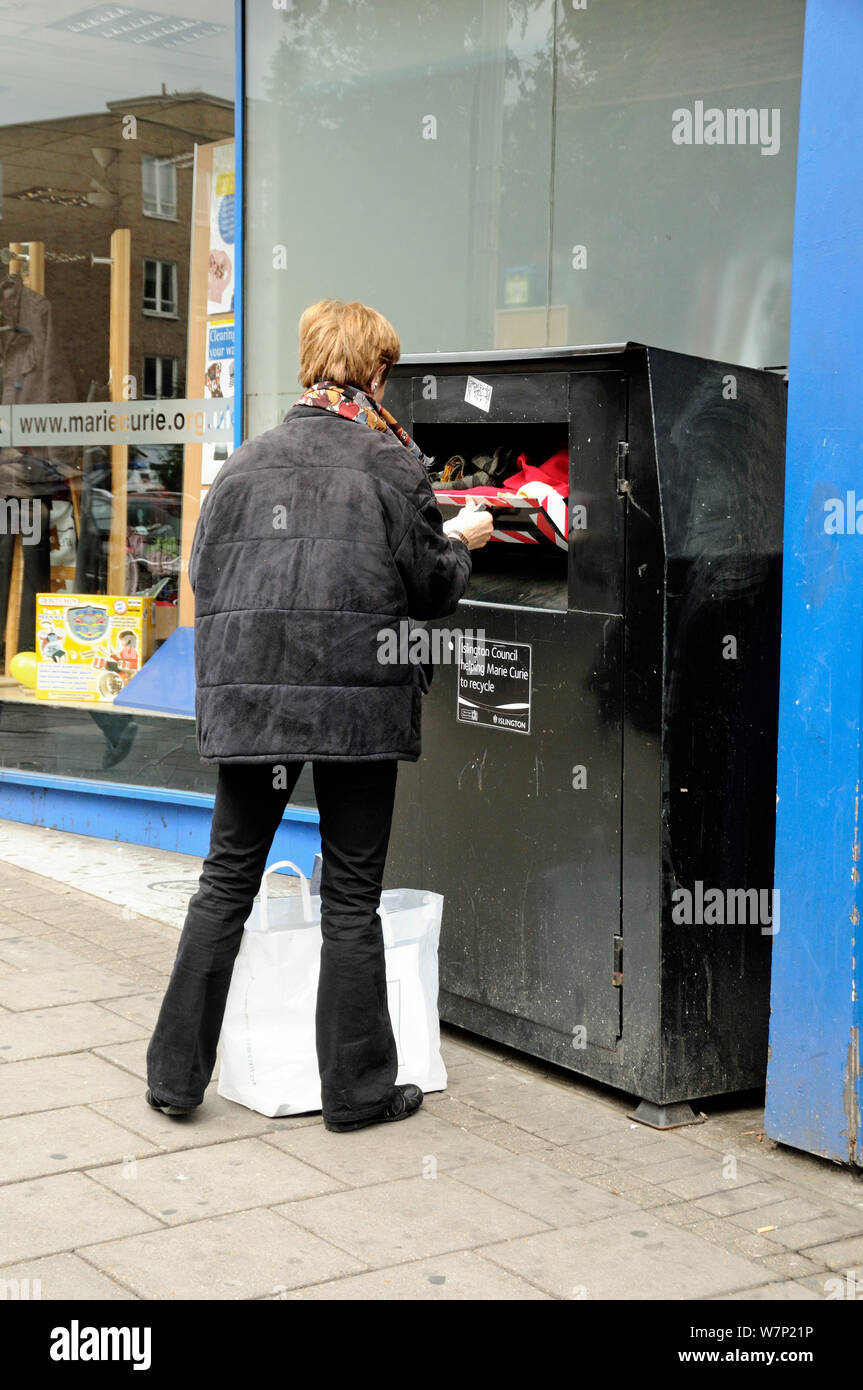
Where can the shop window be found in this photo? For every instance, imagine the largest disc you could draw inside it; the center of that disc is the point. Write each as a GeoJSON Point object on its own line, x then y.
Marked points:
{"type": "Point", "coordinates": [159, 187]}
{"type": "Point", "coordinates": [160, 288]}
{"type": "Point", "coordinates": [160, 378]}
{"type": "Point", "coordinates": [121, 160]}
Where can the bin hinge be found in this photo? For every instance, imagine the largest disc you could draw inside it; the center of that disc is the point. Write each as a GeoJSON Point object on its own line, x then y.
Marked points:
{"type": "Point", "coordinates": [622, 467]}
{"type": "Point", "coordinates": [617, 963]}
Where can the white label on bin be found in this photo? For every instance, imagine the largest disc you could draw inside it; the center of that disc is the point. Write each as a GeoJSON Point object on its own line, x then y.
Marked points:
{"type": "Point", "coordinates": [494, 684]}
{"type": "Point", "coordinates": [478, 393]}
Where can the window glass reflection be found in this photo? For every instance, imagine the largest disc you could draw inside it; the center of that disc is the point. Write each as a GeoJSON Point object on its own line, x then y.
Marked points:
{"type": "Point", "coordinates": [115, 124]}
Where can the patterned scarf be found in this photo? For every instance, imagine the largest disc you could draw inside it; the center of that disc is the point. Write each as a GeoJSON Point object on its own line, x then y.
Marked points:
{"type": "Point", "coordinates": [354, 404]}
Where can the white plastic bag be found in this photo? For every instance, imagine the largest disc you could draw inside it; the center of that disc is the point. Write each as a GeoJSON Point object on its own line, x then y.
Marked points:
{"type": "Point", "coordinates": [268, 1057]}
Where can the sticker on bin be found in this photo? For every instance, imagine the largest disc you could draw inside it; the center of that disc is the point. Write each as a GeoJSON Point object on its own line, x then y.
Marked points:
{"type": "Point", "coordinates": [494, 684]}
{"type": "Point", "coordinates": [478, 393]}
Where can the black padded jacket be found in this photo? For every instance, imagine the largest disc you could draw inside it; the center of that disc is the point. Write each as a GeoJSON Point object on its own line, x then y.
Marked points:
{"type": "Point", "coordinates": [314, 537]}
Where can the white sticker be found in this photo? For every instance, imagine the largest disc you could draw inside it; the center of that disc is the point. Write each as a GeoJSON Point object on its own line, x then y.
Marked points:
{"type": "Point", "coordinates": [478, 393]}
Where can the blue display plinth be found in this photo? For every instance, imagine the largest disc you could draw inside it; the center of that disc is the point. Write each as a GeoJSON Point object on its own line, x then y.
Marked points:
{"type": "Point", "coordinates": [166, 683]}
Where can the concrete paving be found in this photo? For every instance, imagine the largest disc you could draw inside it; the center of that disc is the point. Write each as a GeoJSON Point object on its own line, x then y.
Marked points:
{"type": "Point", "coordinates": [520, 1182]}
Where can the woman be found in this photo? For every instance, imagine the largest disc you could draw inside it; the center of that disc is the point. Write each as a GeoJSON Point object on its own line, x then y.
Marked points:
{"type": "Point", "coordinates": [313, 538]}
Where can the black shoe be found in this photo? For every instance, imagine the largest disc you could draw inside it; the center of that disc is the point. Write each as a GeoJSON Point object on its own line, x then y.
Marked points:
{"type": "Point", "coordinates": [469, 480]}
{"type": "Point", "coordinates": [471, 473]}
{"type": "Point", "coordinates": [503, 464]}
{"type": "Point", "coordinates": [452, 469]}
{"type": "Point", "coordinates": [406, 1101]}
{"type": "Point", "coordinates": [115, 752]}
{"type": "Point", "coordinates": [167, 1108]}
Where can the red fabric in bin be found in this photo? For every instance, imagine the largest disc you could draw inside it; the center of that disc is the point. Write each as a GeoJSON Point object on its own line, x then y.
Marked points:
{"type": "Point", "coordinates": [443, 490]}
{"type": "Point", "coordinates": [555, 472]}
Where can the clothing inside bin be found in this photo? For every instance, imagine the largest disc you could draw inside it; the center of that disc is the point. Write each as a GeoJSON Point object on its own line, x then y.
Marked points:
{"type": "Point", "coordinates": [484, 474]}
{"type": "Point", "coordinates": [543, 488]}
{"type": "Point", "coordinates": [554, 472]}
{"type": "Point", "coordinates": [482, 470]}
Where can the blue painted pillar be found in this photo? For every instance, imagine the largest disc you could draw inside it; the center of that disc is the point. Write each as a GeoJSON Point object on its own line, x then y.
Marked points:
{"type": "Point", "coordinates": [814, 1074]}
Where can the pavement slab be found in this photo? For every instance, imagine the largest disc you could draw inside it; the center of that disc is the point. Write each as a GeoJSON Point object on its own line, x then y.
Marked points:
{"type": "Point", "coordinates": [823, 1230]}
{"type": "Point", "coordinates": [53, 1141]}
{"type": "Point", "coordinates": [37, 953]}
{"type": "Point", "coordinates": [462, 1276]}
{"type": "Point", "coordinates": [21, 989]}
{"type": "Point", "coordinates": [248, 1254]}
{"type": "Point", "coordinates": [52, 1083]}
{"type": "Point", "coordinates": [446, 1105]}
{"type": "Point", "coordinates": [47, 1215]}
{"type": "Point", "coordinates": [752, 1244]}
{"type": "Point", "coordinates": [409, 1219]}
{"type": "Point", "coordinates": [215, 1122]}
{"type": "Point", "coordinates": [787, 1264]}
{"type": "Point", "coordinates": [634, 1143]}
{"type": "Point", "coordinates": [214, 1180]}
{"type": "Point", "coordinates": [131, 1056]}
{"type": "Point", "coordinates": [142, 1009]}
{"type": "Point", "coordinates": [621, 1183]}
{"type": "Point", "coordinates": [731, 1199]}
{"type": "Point", "coordinates": [839, 1254]}
{"type": "Point", "coordinates": [382, 1153]}
{"type": "Point", "coordinates": [631, 1256]}
{"type": "Point", "coordinates": [12, 922]}
{"type": "Point", "coordinates": [783, 1213]}
{"type": "Point", "coordinates": [540, 1190]}
{"type": "Point", "coordinates": [538, 1107]}
{"type": "Point", "coordinates": [64, 1028]}
{"type": "Point", "coordinates": [516, 1140]}
{"type": "Point", "coordinates": [696, 1165]}
{"type": "Point", "coordinates": [786, 1291]}
{"type": "Point", "coordinates": [64, 1277]}
{"type": "Point", "coordinates": [718, 1177]}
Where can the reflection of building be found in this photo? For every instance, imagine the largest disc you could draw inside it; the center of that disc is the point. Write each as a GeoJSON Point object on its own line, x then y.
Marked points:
{"type": "Point", "coordinates": [71, 182]}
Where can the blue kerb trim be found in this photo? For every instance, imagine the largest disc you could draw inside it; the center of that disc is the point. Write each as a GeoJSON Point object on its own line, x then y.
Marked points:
{"type": "Point", "coordinates": [83, 785]}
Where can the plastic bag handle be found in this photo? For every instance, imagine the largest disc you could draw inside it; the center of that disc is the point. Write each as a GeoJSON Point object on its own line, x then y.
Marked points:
{"type": "Point", "coordinates": [304, 890]}
{"type": "Point", "coordinates": [389, 939]}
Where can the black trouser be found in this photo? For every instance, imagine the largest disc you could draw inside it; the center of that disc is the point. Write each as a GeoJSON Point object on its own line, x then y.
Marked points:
{"type": "Point", "coordinates": [35, 578]}
{"type": "Point", "coordinates": [357, 1055]}
{"type": "Point", "coordinates": [91, 555]}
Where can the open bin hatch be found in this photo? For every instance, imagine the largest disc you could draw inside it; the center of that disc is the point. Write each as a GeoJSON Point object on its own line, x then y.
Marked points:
{"type": "Point", "coordinates": [524, 482]}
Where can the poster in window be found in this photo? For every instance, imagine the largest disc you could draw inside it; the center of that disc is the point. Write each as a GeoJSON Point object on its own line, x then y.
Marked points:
{"type": "Point", "coordinates": [220, 278]}
{"type": "Point", "coordinates": [218, 384]}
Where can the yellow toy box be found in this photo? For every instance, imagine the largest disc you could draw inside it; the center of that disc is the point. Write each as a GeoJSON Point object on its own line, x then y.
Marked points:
{"type": "Point", "coordinates": [90, 645]}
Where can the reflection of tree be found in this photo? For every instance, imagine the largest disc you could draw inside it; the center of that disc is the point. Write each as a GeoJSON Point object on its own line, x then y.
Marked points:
{"type": "Point", "coordinates": [320, 59]}
{"type": "Point", "coordinates": [562, 48]}
{"type": "Point", "coordinates": [559, 61]}
{"type": "Point", "coordinates": [347, 80]}
{"type": "Point", "coordinates": [327, 69]}
{"type": "Point", "coordinates": [168, 468]}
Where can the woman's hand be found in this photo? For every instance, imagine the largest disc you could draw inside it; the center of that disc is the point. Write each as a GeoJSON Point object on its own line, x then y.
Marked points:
{"type": "Point", "coordinates": [476, 527]}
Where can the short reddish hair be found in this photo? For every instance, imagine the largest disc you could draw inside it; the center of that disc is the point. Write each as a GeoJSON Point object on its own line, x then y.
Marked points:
{"type": "Point", "coordinates": [345, 343]}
